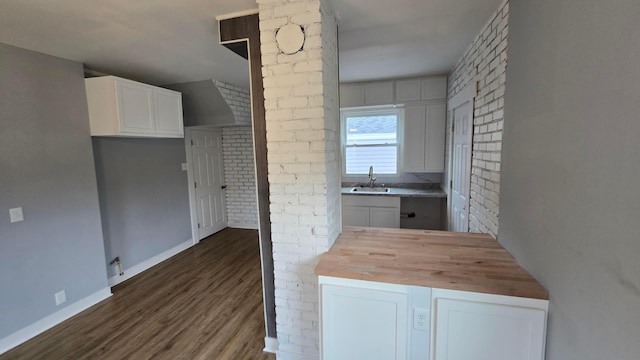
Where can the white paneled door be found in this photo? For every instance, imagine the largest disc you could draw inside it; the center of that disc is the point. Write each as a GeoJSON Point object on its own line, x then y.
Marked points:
{"type": "Point", "coordinates": [461, 176]}
{"type": "Point", "coordinates": [208, 176]}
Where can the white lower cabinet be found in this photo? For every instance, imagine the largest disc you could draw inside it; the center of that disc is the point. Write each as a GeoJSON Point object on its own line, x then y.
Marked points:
{"type": "Point", "coordinates": [469, 325]}
{"type": "Point", "coordinates": [381, 321]}
{"type": "Point", "coordinates": [363, 320]}
{"type": "Point", "coordinates": [371, 211]}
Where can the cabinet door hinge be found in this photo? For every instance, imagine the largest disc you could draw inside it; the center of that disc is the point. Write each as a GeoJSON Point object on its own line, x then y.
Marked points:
{"type": "Point", "coordinates": [191, 142]}
{"type": "Point", "coordinates": [195, 184]}
{"type": "Point", "coordinates": [450, 184]}
{"type": "Point", "coordinates": [198, 225]}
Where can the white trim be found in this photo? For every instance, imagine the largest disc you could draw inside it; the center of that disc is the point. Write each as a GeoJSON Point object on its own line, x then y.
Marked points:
{"type": "Point", "coordinates": [236, 14]}
{"type": "Point", "coordinates": [468, 93]}
{"type": "Point", "coordinates": [270, 345]}
{"type": "Point", "coordinates": [193, 212]}
{"type": "Point", "coordinates": [285, 355]}
{"type": "Point", "coordinates": [398, 111]}
{"type": "Point", "coordinates": [243, 226]}
{"type": "Point", "coordinates": [52, 320]}
{"type": "Point", "coordinates": [145, 265]}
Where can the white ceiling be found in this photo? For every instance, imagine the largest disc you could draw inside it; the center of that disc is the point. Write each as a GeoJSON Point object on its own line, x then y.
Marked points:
{"type": "Point", "coordinates": [167, 41]}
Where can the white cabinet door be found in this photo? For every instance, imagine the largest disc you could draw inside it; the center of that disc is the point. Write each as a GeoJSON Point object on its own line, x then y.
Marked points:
{"type": "Point", "coordinates": [375, 211]}
{"type": "Point", "coordinates": [475, 326]}
{"type": "Point", "coordinates": [351, 95]}
{"type": "Point", "coordinates": [168, 112]}
{"type": "Point", "coordinates": [408, 90]}
{"type": "Point", "coordinates": [414, 137]}
{"type": "Point", "coordinates": [363, 324]}
{"type": "Point", "coordinates": [355, 216]}
{"type": "Point", "coordinates": [135, 108]}
{"type": "Point", "coordinates": [121, 107]}
{"type": "Point", "coordinates": [434, 88]}
{"type": "Point", "coordinates": [424, 137]}
{"type": "Point", "coordinates": [435, 137]}
{"type": "Point", "coordinates": [378, 93]}
{"type": "Point", "coordinates": [384, 217]}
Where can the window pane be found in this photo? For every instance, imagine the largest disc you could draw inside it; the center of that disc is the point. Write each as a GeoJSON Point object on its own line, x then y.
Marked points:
{"type": "Point", "coordinates": [383, 159]}
{"type": "Point", "coordinates": [379, 129]}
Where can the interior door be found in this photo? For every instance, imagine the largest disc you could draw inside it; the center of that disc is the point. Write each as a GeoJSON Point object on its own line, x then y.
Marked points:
{"type": "Point", "coordinates": [461, 176]}
{"type": "Point", "coordinates": [208, 175]}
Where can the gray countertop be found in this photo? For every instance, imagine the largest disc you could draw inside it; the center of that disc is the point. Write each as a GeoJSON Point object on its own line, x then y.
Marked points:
{"type": "Point", "coordinates": [401, 192]}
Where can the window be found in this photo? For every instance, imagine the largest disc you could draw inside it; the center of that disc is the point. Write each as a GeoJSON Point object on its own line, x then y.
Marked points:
{"type": "Point", "coordinates": [370, 137]}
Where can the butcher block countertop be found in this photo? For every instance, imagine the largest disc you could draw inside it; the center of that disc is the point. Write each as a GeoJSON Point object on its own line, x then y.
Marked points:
{"type": "Point", "coordinates": [437, 259]}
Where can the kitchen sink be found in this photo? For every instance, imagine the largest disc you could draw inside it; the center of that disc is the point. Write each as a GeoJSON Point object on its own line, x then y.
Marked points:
{"type": "Point", "coordinates": [370, 189]}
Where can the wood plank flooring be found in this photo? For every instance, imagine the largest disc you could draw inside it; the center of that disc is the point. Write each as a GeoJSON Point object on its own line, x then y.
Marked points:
{"type": "Point", "coordinates": [204, 303]}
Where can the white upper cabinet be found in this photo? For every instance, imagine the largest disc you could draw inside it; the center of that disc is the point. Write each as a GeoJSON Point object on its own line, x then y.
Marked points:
{"type": "Point", "coordinates": [432, 88]}
{"type": "Point", "coordinates": [424, 137]}
{"type": "Point", "coordinates": [351, 95]}
{"type": "Point", "coordinates": [366, 94]}
{"type": "Point", "coordinates": [378, 93]}
{"type": "Point", "coordinates": [121, 107]}
{"type": "Point", "coordinates": [408, 90]}
{"type": "Point", "coordinates": [421, 89]}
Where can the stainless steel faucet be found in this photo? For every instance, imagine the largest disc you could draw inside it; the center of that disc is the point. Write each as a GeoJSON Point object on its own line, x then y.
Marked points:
{"type": "Point", "coordinates": [372, 180]}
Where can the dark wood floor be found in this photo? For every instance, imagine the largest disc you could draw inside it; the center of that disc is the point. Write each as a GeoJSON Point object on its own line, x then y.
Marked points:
{"type": "Point", "coordinates": [204, 303]}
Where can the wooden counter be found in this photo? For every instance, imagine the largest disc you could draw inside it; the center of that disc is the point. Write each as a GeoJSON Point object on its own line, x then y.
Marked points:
{"type": "Point", "coordinates": [437, 259]}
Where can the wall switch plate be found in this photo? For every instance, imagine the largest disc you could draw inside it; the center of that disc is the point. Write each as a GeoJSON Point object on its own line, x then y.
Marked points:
{"type": "Point", "coordinates": [421, 319]}
{"type": "Point", "coordinates": [184, 166]}
{"type": "Point", "coordinates": [61, 297]}
{"type": "Point", "coordinates": [16, 215]}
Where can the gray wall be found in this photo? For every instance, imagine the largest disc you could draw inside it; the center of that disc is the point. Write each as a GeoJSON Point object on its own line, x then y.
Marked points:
{"type": "Point", "coordinates": [144, 199]}
{"type": "Point", "coordinates": [571, 169]}
{"type": "Point", "coordinates": [46, 167]}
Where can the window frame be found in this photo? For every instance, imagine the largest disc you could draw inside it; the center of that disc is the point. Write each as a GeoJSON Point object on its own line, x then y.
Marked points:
{"type": "Point", "coordinates": [372, 111]}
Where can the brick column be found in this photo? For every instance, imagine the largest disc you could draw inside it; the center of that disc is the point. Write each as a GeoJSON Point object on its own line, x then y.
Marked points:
{"type": "Point", "coordinates": [302, 120]}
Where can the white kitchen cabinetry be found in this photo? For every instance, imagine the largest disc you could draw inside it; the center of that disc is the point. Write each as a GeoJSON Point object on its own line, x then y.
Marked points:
{"type": "Point", "coordinates": [374, 320]}
{"type": "Point", "coordinates": [424, 137]}
{"type": "Point", "coordinates": [468, 325]}
{"type": "Point", "coordinates": [371, 211]}
{"type": "Point", "coordinates": [367, 94]}
{"type": "Point", "coordinates": [421, 89]}
{"type": "Point", "coordinates": [121, 107]}
{"type": "Point", "coordinates": [367, 322]}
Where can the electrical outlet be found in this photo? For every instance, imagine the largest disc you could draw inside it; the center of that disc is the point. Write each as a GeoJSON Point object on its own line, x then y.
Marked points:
{"type": "Point", "coordinates": [421, 319]}
{"type": "Point", "coordinates": [16, 215]}
{"type": "Point", "coordinates": [61, 297]}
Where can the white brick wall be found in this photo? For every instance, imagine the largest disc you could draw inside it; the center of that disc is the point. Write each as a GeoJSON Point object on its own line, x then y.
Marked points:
{"type": "Point", "coordinates": [485, 62]}
{"type": "Point", "coordinates": [238, 99]}
{"type": "Point", "coordinates": [302, 123]}
{"type": "Point", "coordinates": [239, 175]}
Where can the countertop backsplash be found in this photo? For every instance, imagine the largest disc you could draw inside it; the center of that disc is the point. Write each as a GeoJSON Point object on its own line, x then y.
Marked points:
{"type": "Point", "coordinates": [398, 180]}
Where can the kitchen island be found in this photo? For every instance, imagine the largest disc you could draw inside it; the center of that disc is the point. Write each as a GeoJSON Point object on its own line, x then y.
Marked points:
{"type": "Point", "coordinates": [427, 294]}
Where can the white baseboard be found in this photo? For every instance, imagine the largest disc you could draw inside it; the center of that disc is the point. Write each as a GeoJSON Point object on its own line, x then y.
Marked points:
{"type": "Point", "coordinates": [270, 345]}
{"type": "Point", "coordinates": [52, 320]}
{"type": "Point", "coordinates": [138, 268]}
{"type": "Point", "coordinates": [243, 226]}
{"type": "Point", "coordinates": [285, 355]}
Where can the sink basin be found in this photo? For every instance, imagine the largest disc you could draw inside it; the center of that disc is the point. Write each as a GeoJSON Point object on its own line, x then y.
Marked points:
{"type": "Point", "coordinates": [370, 190]}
